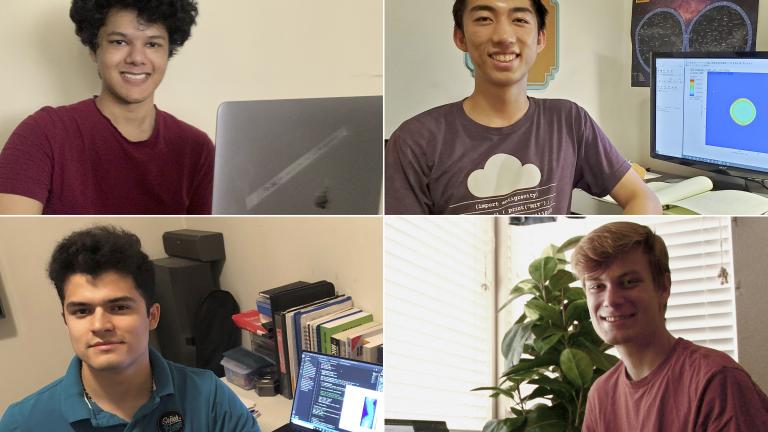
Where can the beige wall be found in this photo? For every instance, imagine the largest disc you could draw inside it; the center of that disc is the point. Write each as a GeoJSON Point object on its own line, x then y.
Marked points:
{"type": "Point", "coordinates": [424, 69]}
{"type": "Point", "coordinates": [261, 253]}
{"type": "Point", "coordinates": [240, 50]}
{"type": "Point", "coordinates": [264, 253]}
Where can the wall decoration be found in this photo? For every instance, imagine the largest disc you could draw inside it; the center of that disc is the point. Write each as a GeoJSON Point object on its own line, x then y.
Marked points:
{"type": "Point", "coordinates": [548, 61]}
{"type": "Point", "coordinates": [688, 25]}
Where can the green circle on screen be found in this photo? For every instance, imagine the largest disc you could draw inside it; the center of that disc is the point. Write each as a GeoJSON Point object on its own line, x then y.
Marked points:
{"type": "Point", "coordinates": [743, 111]}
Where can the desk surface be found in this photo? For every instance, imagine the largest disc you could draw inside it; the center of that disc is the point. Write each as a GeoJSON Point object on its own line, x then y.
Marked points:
{"type": "Point", "coordinates": [585, 204]}
{"type": "Point", "coordinates": [275, 410]}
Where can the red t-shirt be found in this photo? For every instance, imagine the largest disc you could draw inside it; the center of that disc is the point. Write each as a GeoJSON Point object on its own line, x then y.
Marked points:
{"type": "Point", "coordinates": [75, 161]}
{"type": "Point", "coordinates": [694, 389]}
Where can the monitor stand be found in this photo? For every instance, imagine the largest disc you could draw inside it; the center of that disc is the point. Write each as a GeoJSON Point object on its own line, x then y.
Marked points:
{"type": "Point", "coordinates": [729, 180]}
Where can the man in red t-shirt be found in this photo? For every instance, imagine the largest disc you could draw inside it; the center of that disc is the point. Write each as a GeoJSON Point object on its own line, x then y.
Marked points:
{"type": "Point", "coordinates": [663, 383]}
{"type": "Point", "coordinates": [115, 153]}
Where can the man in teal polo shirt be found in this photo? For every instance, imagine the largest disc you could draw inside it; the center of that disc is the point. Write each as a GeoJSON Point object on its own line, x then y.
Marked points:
{"type": "Point", "coordinates": [116, 382]}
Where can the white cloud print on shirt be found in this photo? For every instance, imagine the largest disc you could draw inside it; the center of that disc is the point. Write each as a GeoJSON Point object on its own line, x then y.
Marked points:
{"type": "Point", "coordinates": [501, 175]}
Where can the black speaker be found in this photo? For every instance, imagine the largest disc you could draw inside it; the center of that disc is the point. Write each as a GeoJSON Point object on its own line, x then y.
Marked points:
{"type": "Point", "coordinates": [180, 285]}
{"type": "Point", "coordinates": [193, 244]}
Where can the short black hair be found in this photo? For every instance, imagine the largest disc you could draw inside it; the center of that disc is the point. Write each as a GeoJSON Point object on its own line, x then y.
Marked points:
{"type": "Point", "coordinates": [99, 249]}
{"type": "Point", "coordinates": [538, 8]}
{"type": "Point", "coordinates": [177, 16]}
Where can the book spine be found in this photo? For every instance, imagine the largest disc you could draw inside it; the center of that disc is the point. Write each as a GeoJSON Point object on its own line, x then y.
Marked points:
{"type": "Point", "coordinates": [282, 345]}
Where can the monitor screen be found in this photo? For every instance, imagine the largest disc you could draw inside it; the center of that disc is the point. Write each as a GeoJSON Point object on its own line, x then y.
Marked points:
{"type": "Point", "coordinates": [710, 110]}
{"type": "Point", "coordinates": [338, 394]}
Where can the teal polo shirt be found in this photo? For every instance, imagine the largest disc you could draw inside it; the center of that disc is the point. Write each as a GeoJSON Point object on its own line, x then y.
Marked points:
{"type": "Point", "coordinates": [184, 399]}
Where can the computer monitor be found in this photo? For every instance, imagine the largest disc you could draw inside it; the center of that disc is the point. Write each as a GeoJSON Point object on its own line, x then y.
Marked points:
{"type": "Point", "coordinates": [338, 394]}
{"type": "Point", "coordinates": [710, 111]}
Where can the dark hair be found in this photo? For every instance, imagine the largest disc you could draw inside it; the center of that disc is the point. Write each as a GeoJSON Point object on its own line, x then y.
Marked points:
{"type": "Point", "coordinates": [598, 249]}
{"type": "Point", "coordinates": [538, 7]}
{"type": "Point", "coordinates": [177, 16]}
{"type": "Point", "coordinates": [100, 249]}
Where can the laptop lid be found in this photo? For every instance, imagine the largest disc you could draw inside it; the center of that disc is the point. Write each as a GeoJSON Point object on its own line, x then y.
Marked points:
{"type": "Point", "coordinates": [399, 425]}
{"type": "Point", "coordinates": [338, 394]}
{"type": "Point", "coordinates": [299, 156]}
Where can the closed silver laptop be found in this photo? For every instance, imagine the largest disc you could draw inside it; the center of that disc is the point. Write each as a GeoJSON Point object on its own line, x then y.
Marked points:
{"type": "Point", "coordinates": [299, 156]}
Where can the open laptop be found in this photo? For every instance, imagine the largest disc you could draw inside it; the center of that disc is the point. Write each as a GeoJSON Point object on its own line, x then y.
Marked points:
{"type": "Point", "coordinates": [299, 156]}
{"type": "Point", "coordinates": [397, 425]}
{"type": "Point", "coordinates": [336, 394]}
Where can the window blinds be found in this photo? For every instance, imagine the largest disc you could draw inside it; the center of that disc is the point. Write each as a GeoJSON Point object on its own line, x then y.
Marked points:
{"type": "Point", "coordinates": [438, 308]}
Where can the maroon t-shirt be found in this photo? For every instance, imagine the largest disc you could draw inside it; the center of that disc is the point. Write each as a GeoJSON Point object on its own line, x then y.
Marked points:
{"type": "Point", "coordinates": [75, 161]}
{"type": "Point", "coordinates": [695, 389]}
{"type": "Point", "coordinates": [443, 162]}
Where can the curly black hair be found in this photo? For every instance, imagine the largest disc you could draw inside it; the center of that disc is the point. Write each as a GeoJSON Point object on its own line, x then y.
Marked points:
{"type": "Point", "coordinates": [177, 16]}
{"type": "Point", "coordinates": [99, 249]}
{"type": "Point", "coordinates": [538, 8]}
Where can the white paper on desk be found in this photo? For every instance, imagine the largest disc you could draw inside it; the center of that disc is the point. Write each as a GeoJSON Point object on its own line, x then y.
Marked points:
{"type": "Point", "coordinates": [668, 193]}
{"type": "Point", "coordinates": [725, 202]}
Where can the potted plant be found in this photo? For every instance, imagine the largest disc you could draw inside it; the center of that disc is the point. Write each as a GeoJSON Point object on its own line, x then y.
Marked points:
{"type": "Point", "coordinates": [552, 348]}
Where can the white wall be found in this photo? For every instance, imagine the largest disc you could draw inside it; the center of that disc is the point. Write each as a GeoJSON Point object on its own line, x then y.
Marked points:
{"type": "Point", "coordinates": [239, 50]}
{"type": "Point", "coordinates": [261, 253]}
{"type": "Point", "coordinates": [264, 253]}
{"type": "Point", "coordinates": [424, 69]}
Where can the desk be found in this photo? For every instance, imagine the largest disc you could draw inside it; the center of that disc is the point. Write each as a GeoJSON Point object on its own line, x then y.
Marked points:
{"type": "Point", "coordinates": [741, 202]}
{"type": "Point", "coordinates": [275, 410]}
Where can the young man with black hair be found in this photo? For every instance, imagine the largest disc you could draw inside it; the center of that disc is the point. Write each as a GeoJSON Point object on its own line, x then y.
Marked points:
{"type": "Point", "coordinates": [499, 151]}
{"type": "Point", "coordinates": [662, 383]}
{"type": "Point", "coordinates": [115, 153]}
{"type": "Point", "coordinates": [115, 381]}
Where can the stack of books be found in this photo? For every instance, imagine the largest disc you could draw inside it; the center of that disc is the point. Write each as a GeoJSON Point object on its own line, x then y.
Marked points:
{"type": "Point", "coordinates": [311, 316]}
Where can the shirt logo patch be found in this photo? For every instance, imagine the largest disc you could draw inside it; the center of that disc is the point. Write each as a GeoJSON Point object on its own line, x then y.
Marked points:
{"type": "Point", "coordinates": [170, 421]}
{"type": "Point", "coordinates": [501, 175]}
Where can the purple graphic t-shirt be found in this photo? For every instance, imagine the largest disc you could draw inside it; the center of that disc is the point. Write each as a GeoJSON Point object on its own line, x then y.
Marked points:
{"type": "Point", "coordinates": [443, 162]}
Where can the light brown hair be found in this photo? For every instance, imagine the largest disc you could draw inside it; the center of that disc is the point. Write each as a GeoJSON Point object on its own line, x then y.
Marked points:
{"type": "Point", "coordinates": [598, 249]}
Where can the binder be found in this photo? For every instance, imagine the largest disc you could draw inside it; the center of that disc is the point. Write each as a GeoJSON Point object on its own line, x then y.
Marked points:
{"type": "Point", "coordinates": [281, 299]}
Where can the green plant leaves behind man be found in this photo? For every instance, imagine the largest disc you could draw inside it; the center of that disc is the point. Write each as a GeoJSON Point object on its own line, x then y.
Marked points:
{"type": "Point", "coordinates": [551, 350]}
{"type": "Point", "coordinates": [577, 366]}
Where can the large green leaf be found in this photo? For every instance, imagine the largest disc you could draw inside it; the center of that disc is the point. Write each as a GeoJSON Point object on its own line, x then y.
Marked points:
{"type": "Point", "coordinates": [545, 418]}
{"type": "Point", "coordinates": [573, 294]}
{"type": "Point", "coordinates": [514, 341]}
{"type": "Point", "coordinates": [563, 390]}
{"type": "Point", "coordinates": [576, 311]}
{"type": "Point", "coordinates": [536, 308]}
{"type": "Point", "coordinates": [561, 279]}
{"type": "Point", "coordinates": [550, 250]}
{"type": "Point", "coordinates": [506, 425]}
{"type": "Point", "coordinates": [546, 342]}
{"type": "Point", "coordinates": [569, 244]}
{"type": "Point", "coordinates": [522, 288]}
{"type": "Point", "coordinates": [542, 269]}
{"type": "Point", "coordinates": [548, 359]}
{"type": "Point", "coordinates": [601, 360]}
{"type": "Point", "coordinates": [576, 366]}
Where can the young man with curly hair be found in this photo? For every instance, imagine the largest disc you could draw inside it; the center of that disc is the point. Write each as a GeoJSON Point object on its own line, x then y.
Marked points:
{"type": "Point", "coordinates": [662, 383]}
{"type": "Point", "coordinates": [115, 381]}
{"type": "Point", "coordinates": [115, 153]}
{"type": "Point", "coordinates": [499, 151]}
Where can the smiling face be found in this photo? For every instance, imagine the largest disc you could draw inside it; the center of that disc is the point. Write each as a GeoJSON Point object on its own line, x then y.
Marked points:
{"type": "Point", "coordinates": [625, 304]}
{"type": "Point", "coordinates": [502, 39]}
{"type": "Point", "coordinates": [107, 321]}
{"type": "Point", "coordinates": [131, 58]}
